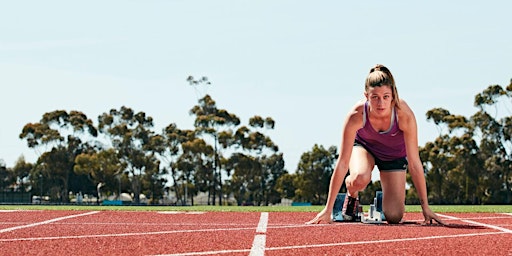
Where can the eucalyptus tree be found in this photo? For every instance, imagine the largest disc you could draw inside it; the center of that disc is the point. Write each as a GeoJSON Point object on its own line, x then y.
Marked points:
{"type": "Point", "coordinates": [195, 163]}
{"type": "Point", "coordinates": [273, 168]}
{"type": "Point", "coordinates": [437, 162]}
{"type": "Point", "coordinates": [130, 134]}
{"type": "Point", "coordinates": [60, 136]}
{"type": "Point", "coordinates": [314, 173]}
{"type": "Point", "coordinates": [471, 163]}
{"type": "Point", "coordinates": [103, 168]}
{"type": "Point", "coordinates": [211, 121]}
{"type": "Point", "coordinates": [286, 185]}
{"type": "Point", "coordinates": [5, 177]}
{"type": "Point", "coordinates": [495, 131]}
{"type": "Point", "coordinates": [453, 163]}
{"type": "Point", "coordinates": [244, 184]}
{"type": "Point", "coordinates": [21, 171]}
{"type": "Point", "coordinates": [259, 178]}
{"type": "Point", "coordinates": [169, 148]}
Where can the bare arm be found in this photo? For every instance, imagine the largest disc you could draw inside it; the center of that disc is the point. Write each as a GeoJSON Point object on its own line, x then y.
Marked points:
{"type": "Point", "coordinates": [409, 126]}
{"type": "Point", "coordinates": [352, 123]}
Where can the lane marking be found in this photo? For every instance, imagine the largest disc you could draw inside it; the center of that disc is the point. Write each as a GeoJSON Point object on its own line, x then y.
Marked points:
{"type": "Point", "coordinates": [204, 253]}
{"type": "Point", "coordinates": [262, 225]}
{"type": "Point", "coordinates": [46, 222]}
{"type": "Point", "coordinates": [337, 244]}
{"type": "Point", "coordinates": [380, 241]}
{"type": "Point", "coordinates": [477, 223]}
{"type": "Point", "coordinates": [122, 234]}
{"type": "Point", "coordinates": [178, 212]}
{"type": "Point", "coordinates": [258, 246]}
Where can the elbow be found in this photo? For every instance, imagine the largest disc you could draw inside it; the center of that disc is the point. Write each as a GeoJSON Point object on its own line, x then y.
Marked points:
{"type": "Point", "coordinates": [416, 168]}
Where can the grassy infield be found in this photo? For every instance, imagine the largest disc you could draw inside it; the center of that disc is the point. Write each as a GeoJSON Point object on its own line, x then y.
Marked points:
{"type": "Point", "coordinates": [315, 208]}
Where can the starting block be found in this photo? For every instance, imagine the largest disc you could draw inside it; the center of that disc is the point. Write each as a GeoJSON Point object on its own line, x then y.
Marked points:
{"type": "Point", "coordinates": [338, 207]}
{"type": "Point", "coordinates": [375, 214]}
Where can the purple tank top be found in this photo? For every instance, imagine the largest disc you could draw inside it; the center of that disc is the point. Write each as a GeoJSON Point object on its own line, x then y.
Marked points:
{"type": "Point", "coordinates": [388, 145]}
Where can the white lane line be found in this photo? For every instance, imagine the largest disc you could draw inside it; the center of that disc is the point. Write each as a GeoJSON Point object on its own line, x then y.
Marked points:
{"type": "Point", "coordinates": [204, 253]}
{"type": "Point", "coordinates": [380, 241]}
{"type": "Point", "coordinates": [45, 222]}
{"type": "Point", "coordinates": [308, 246]}
{"type": "Point", "coordinates": [181, 212]}
{"type": "Point", "coordinates": [262, 225]}
{"type": "Point", "coordinates": [258, 244]}
{"type": "Point", "coordinates": [477, 223]}
{"type": "Point", "coordinates": [123, 234]}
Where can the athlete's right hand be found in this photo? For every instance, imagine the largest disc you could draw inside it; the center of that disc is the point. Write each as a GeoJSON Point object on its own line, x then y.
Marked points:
{"type": "Point", "coordinates": [323, 216]}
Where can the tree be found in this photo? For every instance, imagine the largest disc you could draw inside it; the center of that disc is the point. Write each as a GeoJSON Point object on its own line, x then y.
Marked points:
{"type": "Point", "coordinates": [267, 164]}
{"type": "Point", "coordinates": [101, 167]}
{"type": "Point", "coordinates": [66, 135]}
{"type": "Point", "coordinates": [454, 158]}
{"type": "Point", "coordinates": [194, 164]}
{"type": "Point", "coordinates": [130, 134]}
{"type": "Point", "coordinates": [496, 141]}
{"type": "Point", "coordinates": [210, 121]}
{"type": "Point", "coordinates": [314, 173]}
{"type": "Point", "coordinates": [21, 171]}
{"type": "Point", "coordinates": [5, 177]}
{"type": "Point", "coordinates": [244, 183]}
{"type": "Point", "coordinates": [168, 147]}
{"type": "Point", "coordinates": [285, 185]}
{"type": "Point", "coordinates": [472, 162]}
{"type": "Point", "coordinates": [437, 162]}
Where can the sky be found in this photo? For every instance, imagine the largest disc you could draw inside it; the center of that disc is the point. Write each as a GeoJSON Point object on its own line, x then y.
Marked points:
{"type": "Point", "coordinates": [302, 63]}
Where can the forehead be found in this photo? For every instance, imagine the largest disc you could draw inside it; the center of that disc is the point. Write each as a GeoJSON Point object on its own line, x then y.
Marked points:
{"type": "Point", "coordinates": [380, 90]}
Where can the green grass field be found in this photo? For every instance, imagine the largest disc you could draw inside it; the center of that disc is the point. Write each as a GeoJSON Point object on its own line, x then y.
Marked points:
{"type": "Point", "coordinates": [316, 208]}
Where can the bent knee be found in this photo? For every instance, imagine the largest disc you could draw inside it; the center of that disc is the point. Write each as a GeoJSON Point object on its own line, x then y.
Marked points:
{"type": "Point", "coordinates": [358, 180]}
{"type": "Point", "coordinates": [394, 217]}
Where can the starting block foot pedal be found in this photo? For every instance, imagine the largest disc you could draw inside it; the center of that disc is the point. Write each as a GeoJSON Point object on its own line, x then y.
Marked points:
{"type": "Point", "coordinates": [337, 216]}
{"type": "Point", "coordinates": [375, 214]}
{"type": "Point", "coordinates": [338, 206]}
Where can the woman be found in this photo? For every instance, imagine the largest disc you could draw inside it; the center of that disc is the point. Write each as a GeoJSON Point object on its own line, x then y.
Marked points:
{"type": "Point", "coordinates": [380, 130]}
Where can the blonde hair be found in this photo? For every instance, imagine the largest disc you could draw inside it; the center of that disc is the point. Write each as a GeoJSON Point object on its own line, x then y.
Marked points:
{"type": "Point", "coordinates": [381, 76]}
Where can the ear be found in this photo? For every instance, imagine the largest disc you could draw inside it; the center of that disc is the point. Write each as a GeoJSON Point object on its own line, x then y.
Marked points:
{"type": "Point", "coordinates": [366, 95]}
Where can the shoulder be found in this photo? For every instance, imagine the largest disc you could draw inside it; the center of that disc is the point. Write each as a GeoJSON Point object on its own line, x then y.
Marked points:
{"type": "Point", "coordinates": [405, 115]}
{"type": "Point", "coordinates": [355, 114]}
{"type": "Point", "coordinates": [404, 110]}
{"type": "Point", "coordinates": [357, 109]}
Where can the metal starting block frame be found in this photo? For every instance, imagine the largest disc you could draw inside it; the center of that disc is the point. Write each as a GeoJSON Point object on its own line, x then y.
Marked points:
{"type": "Point", "coordinates": [374, 215]}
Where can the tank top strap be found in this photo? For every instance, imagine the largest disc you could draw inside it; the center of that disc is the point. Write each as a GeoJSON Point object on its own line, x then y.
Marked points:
{"type": "Point", "coordinates": [365, 113]}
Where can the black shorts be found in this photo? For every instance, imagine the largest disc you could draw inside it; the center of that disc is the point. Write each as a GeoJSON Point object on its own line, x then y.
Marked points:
{"type": "Point", "coordinates": [396, 165]}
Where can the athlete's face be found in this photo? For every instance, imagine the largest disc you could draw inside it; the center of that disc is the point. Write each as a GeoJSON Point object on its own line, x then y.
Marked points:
{"type": "Point", "coordinates": [380, 99]}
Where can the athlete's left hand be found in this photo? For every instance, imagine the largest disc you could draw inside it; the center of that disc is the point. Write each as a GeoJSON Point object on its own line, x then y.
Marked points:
{"type": "Point", "coordinates": [430, 215]}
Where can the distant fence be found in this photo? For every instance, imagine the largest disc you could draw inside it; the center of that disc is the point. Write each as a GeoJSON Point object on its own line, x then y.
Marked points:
{"type": "Point", "coordinates": [301, 204]}
{"type": "Point", "coordinates": [15, 197]}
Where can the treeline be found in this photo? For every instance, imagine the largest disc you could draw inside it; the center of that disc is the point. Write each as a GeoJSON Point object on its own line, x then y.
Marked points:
{"type": "Point", "coordinates": [469, 163]}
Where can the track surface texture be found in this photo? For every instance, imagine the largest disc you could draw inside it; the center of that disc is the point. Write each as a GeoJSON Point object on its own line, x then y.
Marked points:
{"type": "Point", "coordinates": [245, 233]}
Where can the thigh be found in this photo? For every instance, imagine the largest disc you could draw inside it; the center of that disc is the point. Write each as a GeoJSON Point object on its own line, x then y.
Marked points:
{"type": "Point", "coordinates": [393, 190]}
{"type": "Point", "coordinates": [361, 162]}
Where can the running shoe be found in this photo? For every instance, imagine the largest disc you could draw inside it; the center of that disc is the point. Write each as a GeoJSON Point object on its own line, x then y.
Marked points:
{"type": "Point", "coordinates": [350, 208]}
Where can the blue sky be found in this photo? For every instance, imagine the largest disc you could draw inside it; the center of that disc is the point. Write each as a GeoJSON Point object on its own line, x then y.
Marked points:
{"type": "Point", "coordinates": [303, 63]}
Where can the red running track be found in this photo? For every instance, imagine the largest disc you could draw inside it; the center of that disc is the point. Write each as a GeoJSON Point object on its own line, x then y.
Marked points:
{"type": "Point", "coordinates": [248, 233]}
